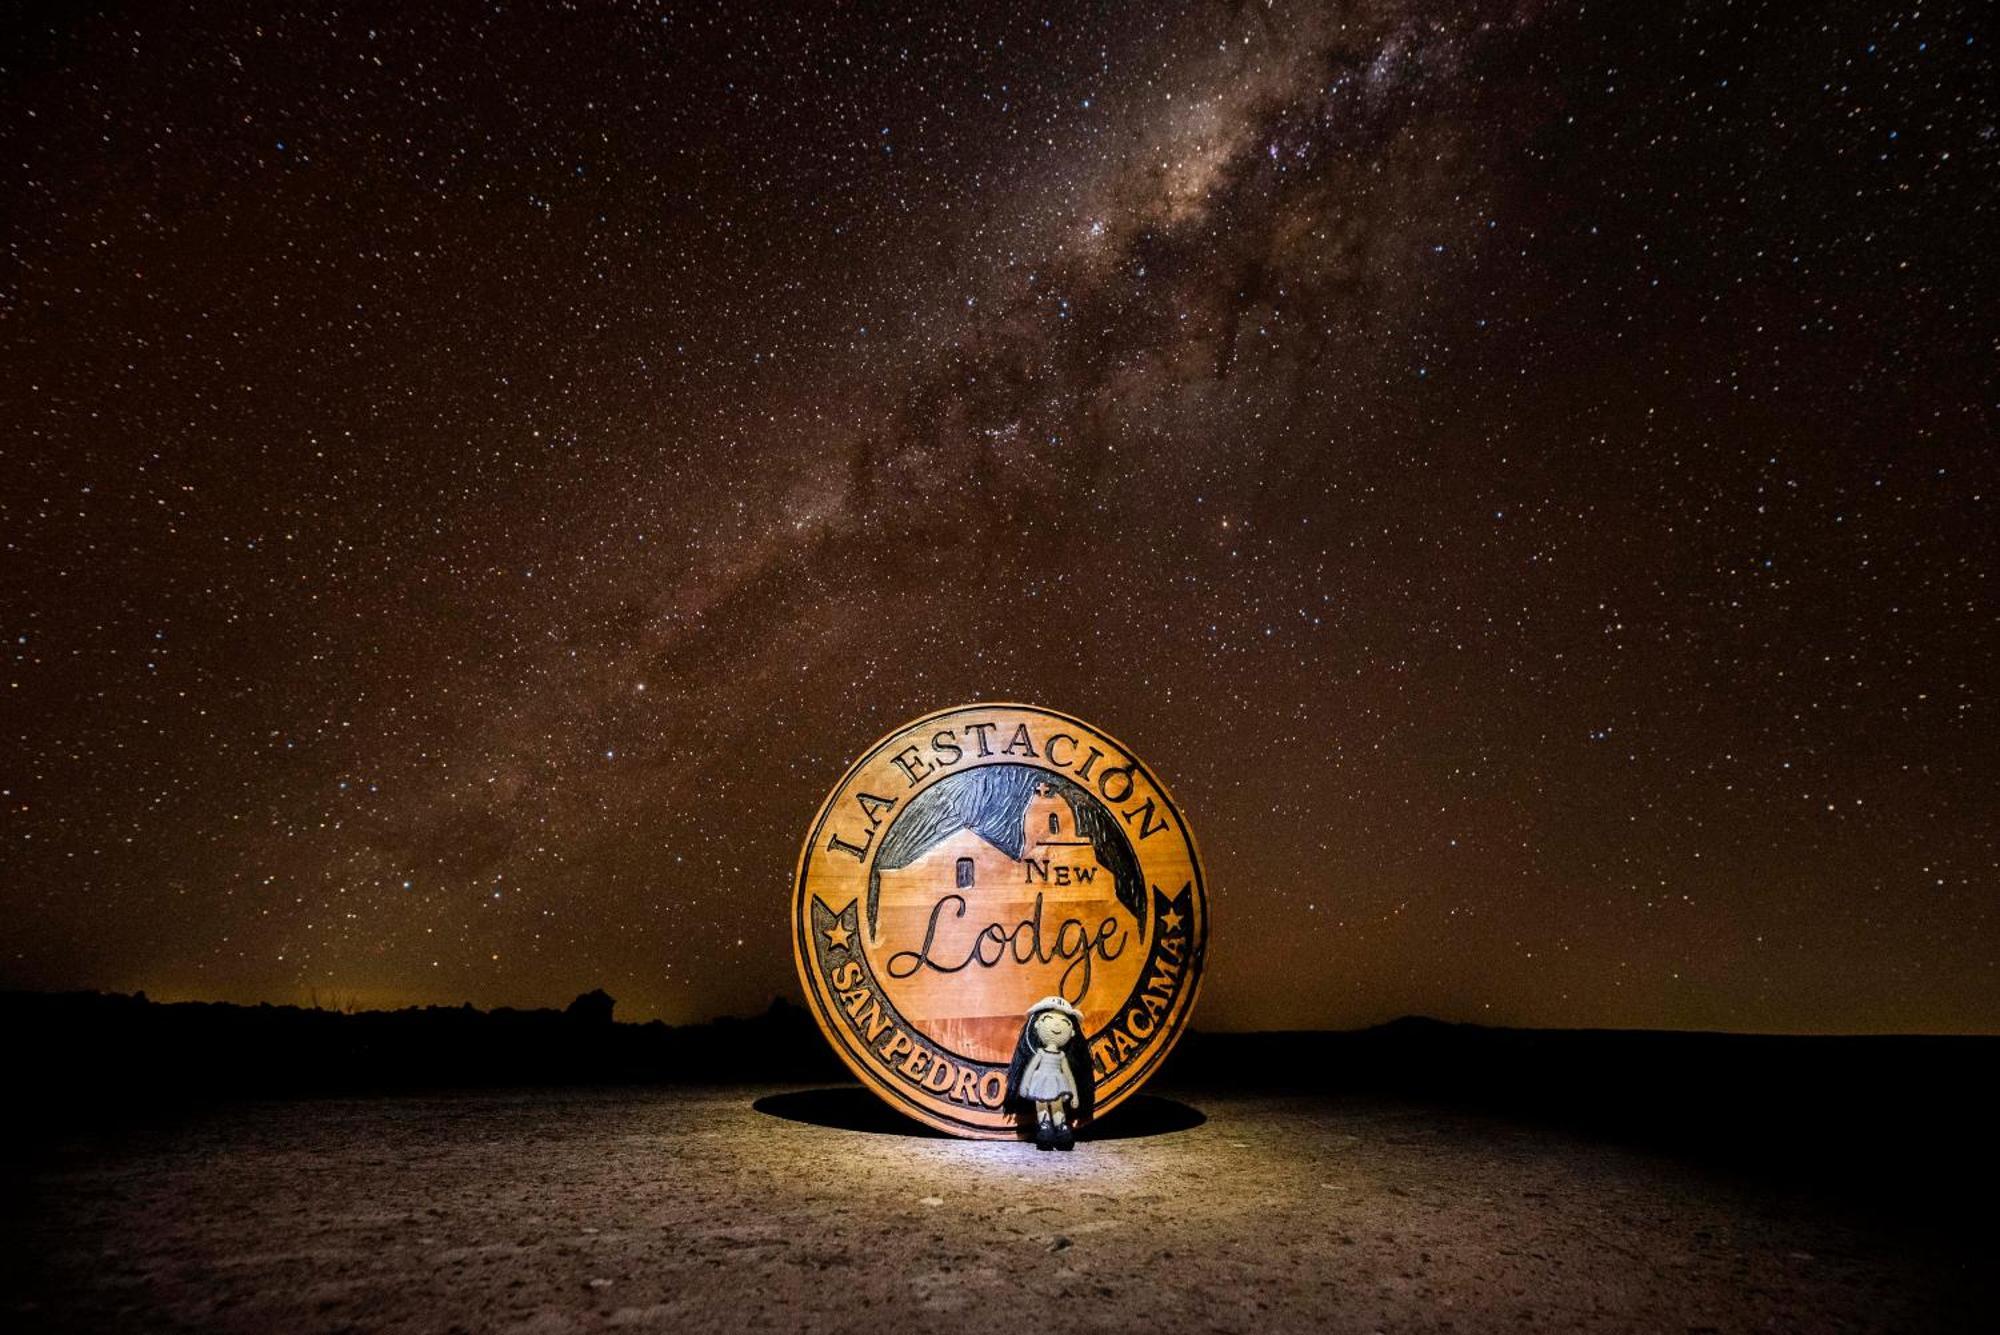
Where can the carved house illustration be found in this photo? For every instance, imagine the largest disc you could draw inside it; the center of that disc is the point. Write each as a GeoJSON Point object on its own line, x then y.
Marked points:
{"type": "Point", "coordinates": [977, 1009]}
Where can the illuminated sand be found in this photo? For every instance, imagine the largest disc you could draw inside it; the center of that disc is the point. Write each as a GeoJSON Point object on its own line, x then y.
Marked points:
{"type": "Point", "coordinates": [693, 1211]}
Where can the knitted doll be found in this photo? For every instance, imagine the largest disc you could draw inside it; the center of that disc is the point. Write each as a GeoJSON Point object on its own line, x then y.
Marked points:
{"type": "Point", "coordinates": [1050, 1077]}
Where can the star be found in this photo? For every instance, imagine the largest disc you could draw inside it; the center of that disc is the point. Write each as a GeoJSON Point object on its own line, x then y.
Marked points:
{"type": "Point", "coordinates": [1161, 389]}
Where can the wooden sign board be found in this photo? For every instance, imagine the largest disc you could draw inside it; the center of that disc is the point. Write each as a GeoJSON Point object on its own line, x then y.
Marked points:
{"type": "Point", "coordinates": [976, 861]}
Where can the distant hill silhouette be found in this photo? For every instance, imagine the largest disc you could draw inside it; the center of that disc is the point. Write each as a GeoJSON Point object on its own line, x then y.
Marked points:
{"type": "Point", "coordinates": [98, 1046]}
{"type": "Point", "coordinates": [1887, 1113]}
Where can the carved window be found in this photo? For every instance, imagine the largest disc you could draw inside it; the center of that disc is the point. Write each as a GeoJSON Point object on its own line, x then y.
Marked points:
{"type": "Point", "coordinates": [1055, 823]}
{"type": "Point", "coordinates": [965, 873]}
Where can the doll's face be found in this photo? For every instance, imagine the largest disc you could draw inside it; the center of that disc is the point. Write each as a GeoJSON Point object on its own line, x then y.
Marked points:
{"type": "Point", "coordinates": [1053, 1029]}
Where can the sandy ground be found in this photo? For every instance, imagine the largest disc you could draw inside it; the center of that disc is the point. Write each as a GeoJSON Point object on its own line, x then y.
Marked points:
{"type": "Point", "coordinates": [694, 1211]}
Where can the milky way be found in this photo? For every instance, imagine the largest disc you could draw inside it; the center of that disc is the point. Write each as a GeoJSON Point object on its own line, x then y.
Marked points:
{"type": "Point", "coordinates": [1523, 478]}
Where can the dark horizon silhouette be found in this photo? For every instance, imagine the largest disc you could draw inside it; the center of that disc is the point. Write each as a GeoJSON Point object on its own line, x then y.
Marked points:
{"type": "Point", "coordinates": [1896, 1114]}
{"type": "Point", "coordinates": [599, 1005]}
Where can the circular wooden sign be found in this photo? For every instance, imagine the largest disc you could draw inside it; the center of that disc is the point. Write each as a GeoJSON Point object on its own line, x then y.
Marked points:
{"type": "Point", "coordinates": [979, 860]}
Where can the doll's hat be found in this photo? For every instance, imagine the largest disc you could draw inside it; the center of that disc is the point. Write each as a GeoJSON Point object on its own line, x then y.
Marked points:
{"type": "Point", "coordinates": [1057, 1004]}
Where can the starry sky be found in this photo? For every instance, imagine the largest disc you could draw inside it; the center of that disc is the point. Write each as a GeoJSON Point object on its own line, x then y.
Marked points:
{"type": "Point", "coordinates": [475, 475]}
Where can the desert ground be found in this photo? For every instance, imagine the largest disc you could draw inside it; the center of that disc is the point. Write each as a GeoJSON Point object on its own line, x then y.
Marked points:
{"type": "Point", "coordinates": [767, 1209]}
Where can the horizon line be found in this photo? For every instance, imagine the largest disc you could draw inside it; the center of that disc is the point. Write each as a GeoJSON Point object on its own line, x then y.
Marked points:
{"type": "Point", "coordinates": [1407, 1018]}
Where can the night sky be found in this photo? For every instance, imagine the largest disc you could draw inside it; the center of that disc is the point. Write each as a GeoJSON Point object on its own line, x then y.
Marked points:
{"type": "Point", "coordinates": [475, 475]}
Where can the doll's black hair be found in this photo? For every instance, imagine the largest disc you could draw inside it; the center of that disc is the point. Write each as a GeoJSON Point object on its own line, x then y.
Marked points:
{"type": "Point", "coordinates": [1077, 1051]}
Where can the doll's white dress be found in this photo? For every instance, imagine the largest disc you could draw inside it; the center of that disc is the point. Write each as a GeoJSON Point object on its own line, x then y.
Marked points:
{"type": "Point", "coordinates": [1048, 1077]}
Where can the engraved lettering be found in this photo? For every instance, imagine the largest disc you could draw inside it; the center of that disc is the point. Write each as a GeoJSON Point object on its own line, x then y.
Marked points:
{"type": "Point", "coordinates": [1104, 783]}
{"type": "Point", "coordinates": [856, 851]}
{"type": "Point", "coordinates": [1148, 826]}
{"type": "Point", "coordinates": [1024, 943]}
{"type": "Point", "coordinates": [914, 766]}
{"type": "Point", "coordinates": [870, 1020]}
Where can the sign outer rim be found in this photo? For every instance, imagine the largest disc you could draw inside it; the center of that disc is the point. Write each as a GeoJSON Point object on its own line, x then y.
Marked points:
{"type": "Point", "coordinates": [803, 963]}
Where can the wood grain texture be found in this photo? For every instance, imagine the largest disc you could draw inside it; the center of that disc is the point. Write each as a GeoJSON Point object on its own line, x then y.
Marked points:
{"type": "Point", "coordinates": [969, 864]}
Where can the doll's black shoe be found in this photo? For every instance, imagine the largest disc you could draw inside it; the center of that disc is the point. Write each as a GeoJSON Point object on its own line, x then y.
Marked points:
{"type": "Point", "coordinates": [1065, 1137]}
{"type": "Point", "coordinates": [1045, 1135]}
